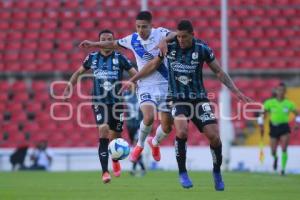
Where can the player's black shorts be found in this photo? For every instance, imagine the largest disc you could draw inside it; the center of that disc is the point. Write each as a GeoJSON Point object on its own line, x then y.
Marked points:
{"type": "Point", "coordinates": [199, 111]}
{"type": "Point", "coordinates": [276, 131]}
{"type": "Point", "coordinates": [109, 114]}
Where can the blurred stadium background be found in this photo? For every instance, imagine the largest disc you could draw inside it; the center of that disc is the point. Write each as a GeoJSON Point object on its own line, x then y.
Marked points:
{"type": "Point", "coordinates": [39, 45]}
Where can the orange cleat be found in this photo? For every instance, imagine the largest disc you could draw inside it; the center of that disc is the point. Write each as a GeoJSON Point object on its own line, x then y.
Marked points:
{"type": "Point", "coordinates": [116, 168]}
{"type": "Point", "coordinates": [135, 154]}
{"type": "Point", "coordinates": [155, 149]}
{"type": "Point", "coordinates": [106, 177]}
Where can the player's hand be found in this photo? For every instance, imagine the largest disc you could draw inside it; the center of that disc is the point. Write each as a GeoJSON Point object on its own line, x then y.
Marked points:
{"type": "Point", "coordinates": [126, 85]}
{"type": "Point", "coordinates": [163, 47]}
{"type": "Point", "coordinates": [66, 94]}
{"type": "Point", "coordinates": [86, 44]}
{"type": "Point", "coordinates": [244, 98]}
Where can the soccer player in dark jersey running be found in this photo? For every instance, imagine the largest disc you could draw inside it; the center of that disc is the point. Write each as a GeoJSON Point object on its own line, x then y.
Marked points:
{"type": "Point", "coordinates": [185, 57]}
{"type": "Point", "coordinates": [279, 109]}
{"type": "Point", "coordinates": [107, 67]}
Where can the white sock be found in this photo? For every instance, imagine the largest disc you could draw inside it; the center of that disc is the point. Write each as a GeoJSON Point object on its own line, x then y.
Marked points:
{"type": "Point", "coordinates": [143, 133]}
{"type": "Point", "coordinates": [159, 136]}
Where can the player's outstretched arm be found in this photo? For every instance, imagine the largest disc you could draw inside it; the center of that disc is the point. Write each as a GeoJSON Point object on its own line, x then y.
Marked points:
{"type": "Point", "coordinates": [226, 80]}
{"type": "Point", "coordinates": [73, 80]}
{"type": "Point", "coordinates": [100, 44]}
{"type": "Point", "coordinates": [147, 69]}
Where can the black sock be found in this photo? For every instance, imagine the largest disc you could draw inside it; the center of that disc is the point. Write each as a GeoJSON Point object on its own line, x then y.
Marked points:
{"type": "Point", "coordinates": [180, 150]}
{"type": "Point", "coordinates": [103, 153]}
{"type": "Point", "coordinates": [216, 153]}
{"type": "Point", "coordinates": [140, 161]}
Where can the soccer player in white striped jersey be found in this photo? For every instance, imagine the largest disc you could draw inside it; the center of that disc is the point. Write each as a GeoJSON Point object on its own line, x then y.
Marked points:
{"type": "Point", "coordinates": [152, 90]}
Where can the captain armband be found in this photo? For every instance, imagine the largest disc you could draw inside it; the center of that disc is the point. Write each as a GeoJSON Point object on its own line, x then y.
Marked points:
{"type": "Point", "coordinates": [260, 120]}
{"type": "Point", "coordinates": [297, 119]}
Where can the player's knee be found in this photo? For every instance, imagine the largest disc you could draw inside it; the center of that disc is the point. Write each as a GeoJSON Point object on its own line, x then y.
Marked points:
{"type": "Point", "coordinates": [104, 131]}
{"type": "Point", "coordinates": [167, 128]}
{"type": "Point", "coordinates": [148, 119]}
{"type": "Point", "coordinates": [182, 133]}
{"type": "Point", "coordinates": [215, 140]}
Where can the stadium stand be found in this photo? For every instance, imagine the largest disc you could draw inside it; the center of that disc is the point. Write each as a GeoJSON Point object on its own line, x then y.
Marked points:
{"type": "Point", "coordinates": [42, 37]}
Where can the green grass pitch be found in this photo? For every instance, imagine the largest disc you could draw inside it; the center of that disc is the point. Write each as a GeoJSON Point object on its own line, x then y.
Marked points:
{"type": "Point", "coordinates": [158, 185]}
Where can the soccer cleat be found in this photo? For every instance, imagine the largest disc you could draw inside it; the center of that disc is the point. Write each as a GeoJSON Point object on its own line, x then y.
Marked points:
{"type": "Point", "coordinates": [135, 154]}
{"type": "Point", "coordinates": [275, 164]}
{"type": "Point", "coordinates": [106, 177]}
{"type": "Point", "coordinates": [185, 180]}
{"type": "Point", "coordinates": [282, 173]}
{"type": "Point", "coordinates": [155, 150]}
{"type": "Point", "coordinates": [219, 184]}
{"type": "Point", "coordinates": [116, 168]}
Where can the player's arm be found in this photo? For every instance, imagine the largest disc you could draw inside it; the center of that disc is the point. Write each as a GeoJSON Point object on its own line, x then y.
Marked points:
{"type": "Point", "coordinates": [132, 72]}
{"type": "Point", "coordinates": [260, 121]}
{"type": "Point", "coordinates": [73, 80]}
{"type": "Point", "coordinates": [100, 44]}
{"type": "Point", "coordinates": [227, 81]}
{"type": "Point", "coordinates": [163, 44]}
{"type": "Point", "coordinates": [297, 119]}
{"type": "Point", "coordinates": [148, 69]}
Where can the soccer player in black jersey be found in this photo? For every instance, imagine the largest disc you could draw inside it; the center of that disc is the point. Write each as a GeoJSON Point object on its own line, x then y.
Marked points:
{"type": "Point", "coordinates": [186, 56]}
{"type": "Point", "coordinates": [107, 67]}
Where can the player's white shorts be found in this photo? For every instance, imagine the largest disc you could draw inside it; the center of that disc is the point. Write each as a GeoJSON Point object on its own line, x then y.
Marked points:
{"type": "Point", "coordinates": [157, 94]}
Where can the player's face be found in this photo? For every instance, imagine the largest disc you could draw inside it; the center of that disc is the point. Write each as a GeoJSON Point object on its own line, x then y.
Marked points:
{"type": "Point", "coordinates": [143, 28]}
{"type": "Point", "coordinates": [106, 37]}
{"type": "Point", "coordinates": [185, 39]}
{"type": "Point", "coordinates": [280, 92]}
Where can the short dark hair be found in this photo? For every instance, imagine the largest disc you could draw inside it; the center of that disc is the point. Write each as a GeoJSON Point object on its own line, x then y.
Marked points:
{"type": "Point", "coordinates": [185, 25]}
{"type": "Point", "coordinates": [282, 84]}
{"type": "Point", "coordinates": [105, 31]}
{"type": "Point", "coordinates": [144, 15]}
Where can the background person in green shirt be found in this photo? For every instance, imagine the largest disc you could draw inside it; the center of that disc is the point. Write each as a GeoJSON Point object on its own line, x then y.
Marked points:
{"type": "Point", "coordinates": [279, 109]}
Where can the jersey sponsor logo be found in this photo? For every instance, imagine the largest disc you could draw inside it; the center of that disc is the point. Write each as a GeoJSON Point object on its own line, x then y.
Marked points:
{"type": "Point", "coordinates": [115, 61]}
{"type": "Point", "coordinates": [206, 107]}
{"type": "Point", "coordinates": [145, 96]}
{"type": "Point", "coordinates": [173, 112]}
{"type": "Point", "coordinates": [183, 79]}
{"type": "Point", "coordinates": [179, 67]}
{"type": "Point", "coordinates": [104, 74]}
{"type": "Point", "coordinates": [207, 117]}
{"type": "Point", "coordinates": [99, 117]}
{"type": "Point", "coordinates": [195, 55]}
{"type": "Point", "coordinates": [107, 86]}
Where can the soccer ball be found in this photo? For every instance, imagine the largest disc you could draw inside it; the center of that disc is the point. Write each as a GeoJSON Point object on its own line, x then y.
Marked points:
{"type": "Point", "coordinates": [118, 149]}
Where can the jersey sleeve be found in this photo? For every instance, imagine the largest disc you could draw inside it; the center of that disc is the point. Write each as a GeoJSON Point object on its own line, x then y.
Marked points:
{"type": "Point", "coordinates": [209, 55]}
{"type": "Point", "coordinates": [87, 62]}
{"type": "Point", "coordinates": [267, 106]}
{"type": "Point", "coordinates": [125, 42]}
{"type": "Point", "coordinates": [125, 62]}
{"type": "Point", "coordinates": [292, 106]}
{"type": "Point", "coordinates": [163, 31]}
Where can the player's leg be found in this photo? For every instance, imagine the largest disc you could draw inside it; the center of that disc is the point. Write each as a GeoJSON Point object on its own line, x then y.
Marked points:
{"type": "Point", "coordinates": [148, 109]}
{"type": "Point", "coordinates": [181, 125]}
{"type": "Point", "coordinates": [162, 132]}
{"type": "Point", "coordinates": [116, 127]}
{"type": "Point", "coordinates": [103, 151]}
{"type": "Point", "coordinates": [205, 121]}
{"type": "Point", "coordinates": [212, 133]}
{"type": "Point", "coordinates": [284, 139]}
{"type": "Point", "coordinates": [100, 113]}
{"type": "Point", "coordinates": [273, 145]}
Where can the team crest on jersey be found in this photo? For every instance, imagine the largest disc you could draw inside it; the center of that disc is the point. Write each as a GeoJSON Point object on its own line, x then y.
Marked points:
{"type": "Point", "coordinates": [107, 86]}
{"type": "Point", "coordinates": [195, 55]}
{"type": "Point", "coordinates": [183, 79]}
{"type": "Point", "coordinates": [115, 61]}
